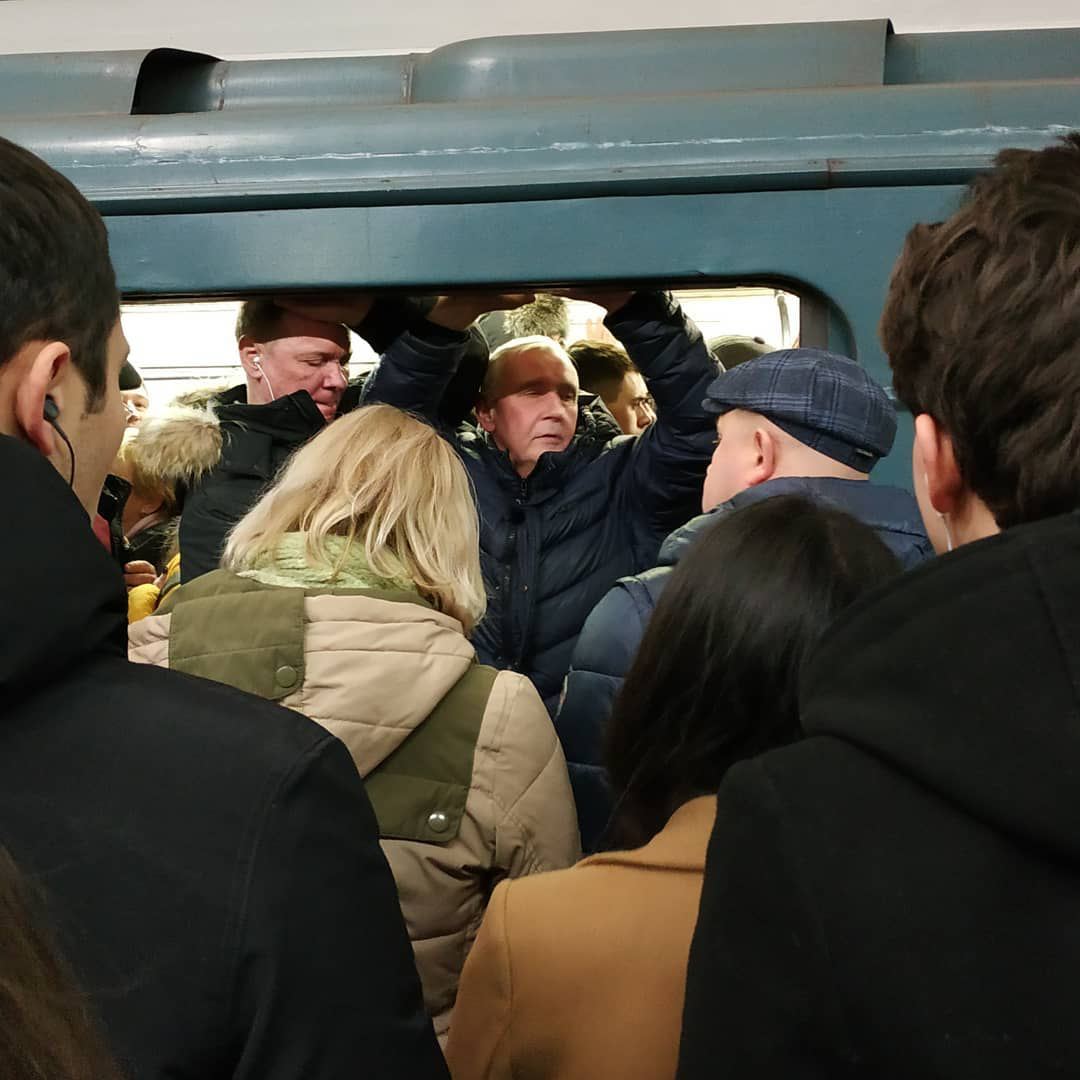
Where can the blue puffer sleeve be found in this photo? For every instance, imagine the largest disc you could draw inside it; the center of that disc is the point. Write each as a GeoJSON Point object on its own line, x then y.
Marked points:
{"type": "Point", "coordinates": [600, 661]}
{"type": "Point", "coordinates": [668, 463]}
{"type": "Point", "coordinates": [416, 369]}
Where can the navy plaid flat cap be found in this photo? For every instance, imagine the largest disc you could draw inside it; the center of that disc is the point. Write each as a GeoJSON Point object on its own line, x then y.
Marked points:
{"type": "Point", "coordinates": [824, 400]}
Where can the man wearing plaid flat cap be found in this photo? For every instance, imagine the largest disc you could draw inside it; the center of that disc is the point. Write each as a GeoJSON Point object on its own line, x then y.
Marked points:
{"type": "Point", "coordinates": [793, 422]}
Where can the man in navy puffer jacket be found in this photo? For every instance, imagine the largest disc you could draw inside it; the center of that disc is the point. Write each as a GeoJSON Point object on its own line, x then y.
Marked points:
{"type": "Point", "coordinates": [795, 422]}
{"type": "Point", "coordinates": [565, 509]}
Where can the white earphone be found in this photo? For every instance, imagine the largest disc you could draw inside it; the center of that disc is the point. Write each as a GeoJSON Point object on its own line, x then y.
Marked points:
{"type": "Point", "coordinates": [269, 385]}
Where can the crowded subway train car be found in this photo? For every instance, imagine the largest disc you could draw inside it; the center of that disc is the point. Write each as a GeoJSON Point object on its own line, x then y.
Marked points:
{"type": "Point", "coordinates": [660, 660]}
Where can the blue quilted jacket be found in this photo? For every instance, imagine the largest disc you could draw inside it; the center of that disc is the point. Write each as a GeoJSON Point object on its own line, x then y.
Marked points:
{"type": "Point", "coordinates": [614, 629]}
{"type": "Point", "coordinates": [553, 544]}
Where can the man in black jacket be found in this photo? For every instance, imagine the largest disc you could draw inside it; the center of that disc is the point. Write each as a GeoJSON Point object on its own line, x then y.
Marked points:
{"type": "Point", "coordinates": [210, 860]}
{"type": "Point", "coordinates": [295, 369]}
{"type": "Point", "coordinates": [295, 385]}
{"type": "Point", "coordinates": [898, 895]}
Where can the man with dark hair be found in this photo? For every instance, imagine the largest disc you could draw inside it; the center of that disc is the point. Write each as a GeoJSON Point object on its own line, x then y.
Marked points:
{"type": "Point", "coordinates": [210, 859]}
{"type": "Point", "coordinates": [897, 894]}
{"type": "Point", "coordinates": [607, 370]}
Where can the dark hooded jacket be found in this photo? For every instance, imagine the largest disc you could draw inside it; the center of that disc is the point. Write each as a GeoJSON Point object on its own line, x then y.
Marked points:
{"type": "Point", "coordinates": [553, 544]}
{"type": "Point", "coordinates": [256, 440]}
{"type": "Point", "coordinates": [210, 859]}
{"type": "Point", "coordinates": [614, 630]}
{"type": "Point", "coordinates": [898, 895]}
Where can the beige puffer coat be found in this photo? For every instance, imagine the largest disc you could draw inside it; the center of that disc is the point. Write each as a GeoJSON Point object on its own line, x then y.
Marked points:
{"type": "Point", "coordinates": [373, 671]}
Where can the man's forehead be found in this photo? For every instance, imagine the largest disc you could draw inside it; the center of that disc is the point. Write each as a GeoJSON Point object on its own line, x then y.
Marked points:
{"type": "Point", "coordinates": [538, 366]}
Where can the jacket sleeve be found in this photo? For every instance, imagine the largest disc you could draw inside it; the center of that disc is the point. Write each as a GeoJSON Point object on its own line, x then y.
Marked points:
{"type": "Point", "coordinates": [759, 1000]}
{"type": "Point", "coordinates": [535, 823]}
{"type": "Point", "coordinates": [479, 1044]}
{"type": "Point", "coordinates": [669, 459]}
{"type": "Point", "coordinates": [326, 985]}
{"type": "Point", "coordinates": [416, 369]}
{"type": "Point", "coordinates": [602, 656]}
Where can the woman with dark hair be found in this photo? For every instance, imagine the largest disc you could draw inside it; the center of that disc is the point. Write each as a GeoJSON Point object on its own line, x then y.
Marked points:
{"type": "Point", "coordinates": [46, 1031]}
{"type": "Point", "coordinates": [586, 967]}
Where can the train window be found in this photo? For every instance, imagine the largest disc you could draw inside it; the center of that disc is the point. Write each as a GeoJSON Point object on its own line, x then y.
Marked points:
{"type": "Point", "coordinates": [181, 346]}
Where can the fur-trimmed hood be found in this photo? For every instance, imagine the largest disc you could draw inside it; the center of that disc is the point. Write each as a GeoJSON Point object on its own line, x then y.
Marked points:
{"type": "Point", "coordinates": [180, 445]}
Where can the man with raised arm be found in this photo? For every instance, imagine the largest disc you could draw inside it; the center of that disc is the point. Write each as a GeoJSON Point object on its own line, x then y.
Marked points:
{"type": "Point", "coordinates": [210, 860]}
{"type": "Point", "coordinates": [565, 508]}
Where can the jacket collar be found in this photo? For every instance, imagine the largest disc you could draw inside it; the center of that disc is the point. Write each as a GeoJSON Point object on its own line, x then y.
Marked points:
{"type": "Point", "coordinates": [885, 509]}
{"type": "Point", "coordinates": [680, 845]}
{"type": "Point", "coordinates": [286, 418]}
{"type": "Point", "coordinates": [62, 595]}
{"type": "Point", "coordinates": [964, 675]}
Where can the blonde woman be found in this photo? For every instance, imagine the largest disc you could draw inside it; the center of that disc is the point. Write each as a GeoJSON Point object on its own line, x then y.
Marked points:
{"type": "Point", "coordinates": [348, 593]}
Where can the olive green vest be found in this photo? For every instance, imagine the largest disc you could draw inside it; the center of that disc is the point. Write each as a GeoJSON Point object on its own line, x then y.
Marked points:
{"type": "Point", "coordinates": [251, 636]}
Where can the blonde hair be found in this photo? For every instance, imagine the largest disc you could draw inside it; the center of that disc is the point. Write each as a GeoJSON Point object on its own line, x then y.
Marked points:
{"type": "Point", "coordinates": [388, 482]}
{"type": "Point", "coordinates": [143, 471]}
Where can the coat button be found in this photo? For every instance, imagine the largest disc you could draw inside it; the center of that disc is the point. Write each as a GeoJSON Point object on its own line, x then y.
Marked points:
{"type": "Point", "coordinates": [438, 821]}
{"type": "Point", "coordinates": [286, 676]}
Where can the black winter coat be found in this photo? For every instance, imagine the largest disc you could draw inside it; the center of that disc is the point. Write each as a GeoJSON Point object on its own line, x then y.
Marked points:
{"type": "Point", "coordinates": [210, 859]}
{"type": "Point", "coordinates": [256, 441]}
{"type": "Point", "coordinates": [898, 895]}
{"type": "Point", "coordinates": [612, 633]}
{"type": "Point", "coordinates": [553, 544]}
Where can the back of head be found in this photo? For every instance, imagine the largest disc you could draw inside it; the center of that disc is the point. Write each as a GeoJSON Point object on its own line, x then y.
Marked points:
{"type": "Point", "coordinates": [546, 316]}
{"type": "Point", "coordinates": [259, 319]}
{"type": "Point", "coordinates": [394, 491]}
{"type": "Point", "coordinates": [56, 279]}
{"type": "Point", "coordinates": [730, 350]}
{"type": "Point", "coordinates": [46, 1031]}
{"type": "Point", "coordinates": [982, 329]}
{"type": "Point", "coordinates": [714, 680]}
{"type": "Point", "coordinates": [601, 367]}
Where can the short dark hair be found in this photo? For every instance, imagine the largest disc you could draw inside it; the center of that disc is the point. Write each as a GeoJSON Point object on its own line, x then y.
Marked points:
{"type": "Point", "coordinates": [715, 679]}
{"type": "Point", "coordinates": [982, 329]}
{"type": "Point", "coordinates": [259, 319]}
{"type": "Point", "coordinates": [601, 367]}
{"type": "Point", "coordinates": [56, 279]}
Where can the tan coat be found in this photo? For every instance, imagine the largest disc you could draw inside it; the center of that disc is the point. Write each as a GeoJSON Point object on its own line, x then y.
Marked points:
{"type": "Point", "coordinates": [581, 974]}
{"type": "Point", "coordinates": [373, 671]}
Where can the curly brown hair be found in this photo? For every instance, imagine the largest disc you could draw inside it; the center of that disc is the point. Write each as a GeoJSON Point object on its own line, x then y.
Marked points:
{"type": "Point", "coordinates": [982, 329]}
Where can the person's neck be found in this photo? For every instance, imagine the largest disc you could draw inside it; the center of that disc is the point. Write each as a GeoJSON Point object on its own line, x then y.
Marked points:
{"type": "Point", "coordinates": [970, 521]}
{"type": "Point", "coordinates": [816, 465]}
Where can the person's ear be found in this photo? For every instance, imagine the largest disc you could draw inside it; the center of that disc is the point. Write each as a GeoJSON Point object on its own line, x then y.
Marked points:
{"type": "Point", "coordinates": [485, 415]}
{"type": "Point", "coordinates": [763, 457]}
{"type": "Point", "coordinates": [47, 374]}
{"type": "Point", "coordinates": [249, 353]}
{"type": "Point", "coordinates": [944, 483]}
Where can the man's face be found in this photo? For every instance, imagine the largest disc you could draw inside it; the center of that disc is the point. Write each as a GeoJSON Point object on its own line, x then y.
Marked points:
{"type": "Point", "coordinates": [734, 460]}
{"type": "Point", "coordinates": [535, 409]}
{"type": "Point", "coordinates": [307, 355]}
{"type": "Point", "coordinates": [95, 436]}
{"type": "Point", "coordinates": [633, 408]}
{"type": "Point", "coordinates": [136, 403]}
